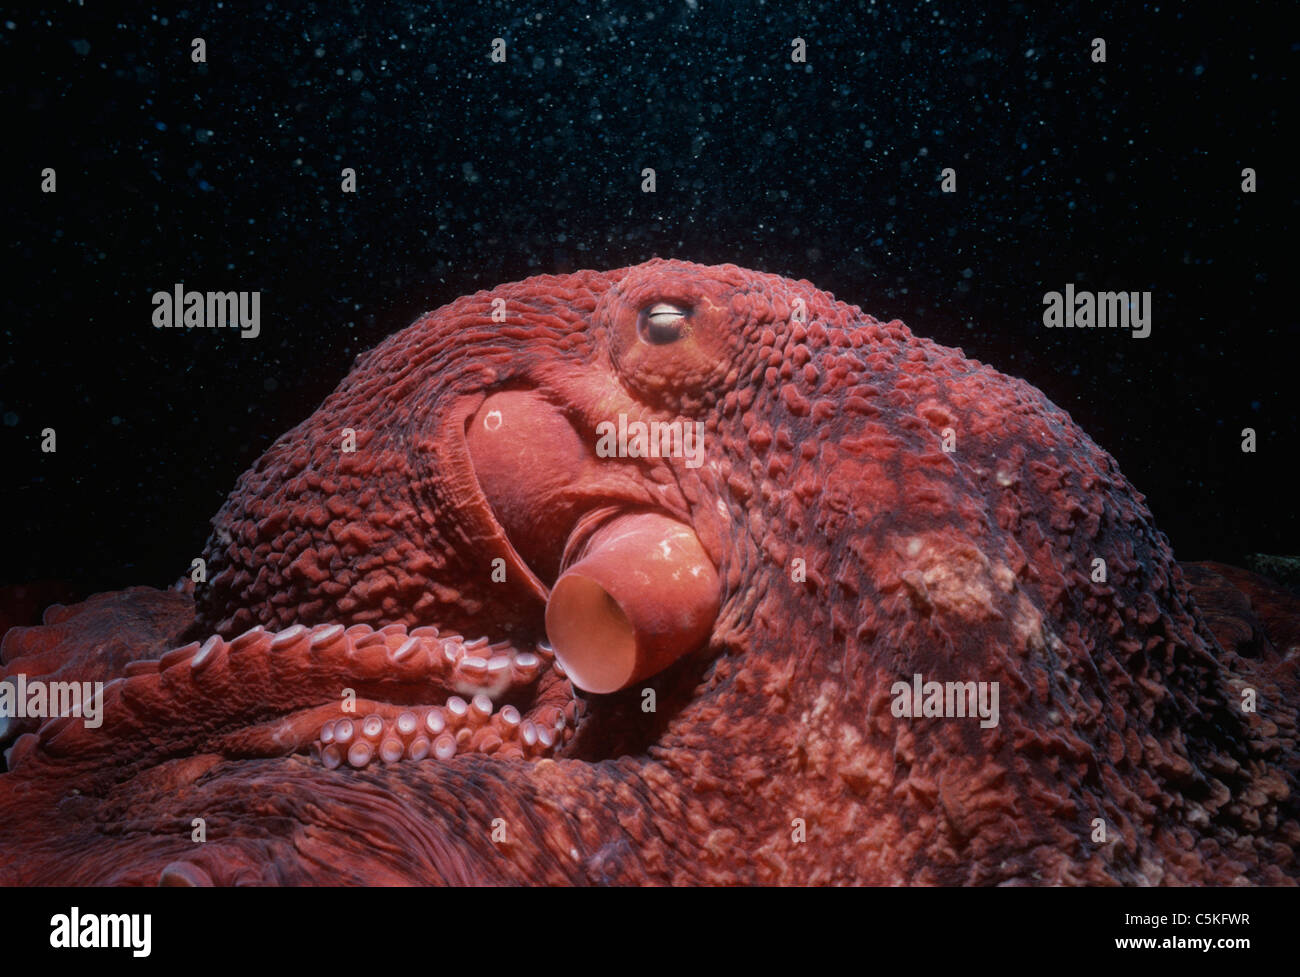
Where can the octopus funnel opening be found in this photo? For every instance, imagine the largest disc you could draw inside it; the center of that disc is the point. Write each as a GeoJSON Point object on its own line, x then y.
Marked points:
{"type": "Point", "coordinates": [641, 594]}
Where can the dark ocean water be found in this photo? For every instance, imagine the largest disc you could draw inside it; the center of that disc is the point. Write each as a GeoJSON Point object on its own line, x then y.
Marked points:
{"type": "Point", "coordinates": [1123, 175]}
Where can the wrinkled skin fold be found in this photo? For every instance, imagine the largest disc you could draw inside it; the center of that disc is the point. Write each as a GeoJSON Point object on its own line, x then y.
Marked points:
{"type": "Point", "coordinates": [867, 506]}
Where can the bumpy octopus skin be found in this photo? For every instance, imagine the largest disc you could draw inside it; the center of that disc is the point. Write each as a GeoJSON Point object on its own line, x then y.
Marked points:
{"type": "Point", "coordinates": [415, 570]}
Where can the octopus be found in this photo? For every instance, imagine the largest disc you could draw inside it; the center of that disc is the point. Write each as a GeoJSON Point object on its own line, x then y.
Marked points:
{"type": "Point", "coordinates": [668, 574]}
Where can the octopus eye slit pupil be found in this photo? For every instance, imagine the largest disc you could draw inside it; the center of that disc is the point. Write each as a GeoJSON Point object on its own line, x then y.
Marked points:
{"type": "Point", "coordinates": [662, 323]}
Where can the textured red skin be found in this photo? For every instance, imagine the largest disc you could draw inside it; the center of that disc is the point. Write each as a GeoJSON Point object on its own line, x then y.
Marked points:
{"type": "Point", "coordinates": [823, 444]}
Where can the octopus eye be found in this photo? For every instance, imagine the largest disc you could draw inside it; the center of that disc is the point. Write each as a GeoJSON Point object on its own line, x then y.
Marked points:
{"type": "Point", "coordinates": [662, 323]}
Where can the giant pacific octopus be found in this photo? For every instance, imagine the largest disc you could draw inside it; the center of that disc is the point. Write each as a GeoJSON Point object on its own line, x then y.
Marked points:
{"type": "Point", "coordinates": [437, 636]}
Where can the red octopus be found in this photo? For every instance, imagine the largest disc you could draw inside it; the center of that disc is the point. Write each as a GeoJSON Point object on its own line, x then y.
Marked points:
{"type": "Point", "coordinates": [629, 577]}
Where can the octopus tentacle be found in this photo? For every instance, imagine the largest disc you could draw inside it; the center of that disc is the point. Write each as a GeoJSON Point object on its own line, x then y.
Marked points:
{"type": "Point", "coordinates": [271, 693]}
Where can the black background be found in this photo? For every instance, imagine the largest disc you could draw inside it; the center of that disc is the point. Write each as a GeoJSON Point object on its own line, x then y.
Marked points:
{"type": "Point", "coordinates": [1124, 175]}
